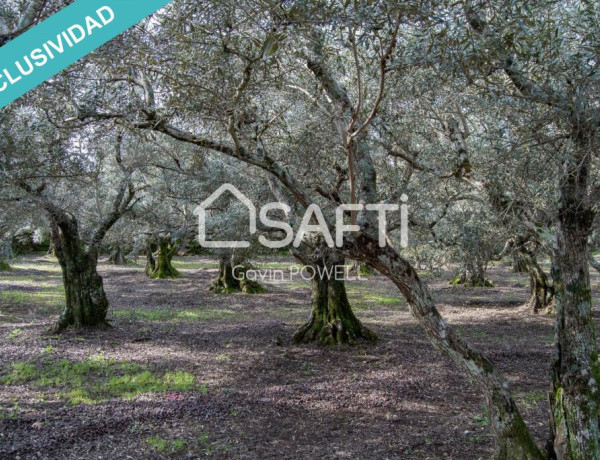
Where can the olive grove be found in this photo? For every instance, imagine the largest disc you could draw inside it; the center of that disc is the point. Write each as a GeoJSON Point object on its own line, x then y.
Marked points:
{"type": "Point", "coordinates": [482, 116]}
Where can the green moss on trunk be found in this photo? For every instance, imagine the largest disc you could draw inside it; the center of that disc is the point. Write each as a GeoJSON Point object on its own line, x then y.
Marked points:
{"type": "Point", "coordinates": [332, 321]}
{"type": "Point", "coordinates": [164, 269]}
{"type": "Point", "coordinates": [232, 278]}
{"type": "Point", "coordinates": [86, 302]}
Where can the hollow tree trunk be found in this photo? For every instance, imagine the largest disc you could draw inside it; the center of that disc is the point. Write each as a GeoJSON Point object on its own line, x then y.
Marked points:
{"type": "Point", "coordinates": [332, 321]}
{"type": "Point", "coordinates": [575, 397]}
{"type": "Point", "coordinates": [542, 292]}
{"type": "Point", "coordinates": [86, 302]}
{"type": "Point", "coordinates": [164, 268]}
{"type": "Point", "coordinates": [512, 437]}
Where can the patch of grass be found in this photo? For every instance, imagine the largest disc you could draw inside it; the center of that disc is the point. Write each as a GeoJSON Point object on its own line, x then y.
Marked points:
{"type": "Point", "coordinates": [164, 445]}
{"type": "Point", "coordinates": [96, 379]}
{"type": "Point", "coordinates": [480, 335]}
{"type": "Point", "coordinates": [531, 399]}
{"type": "Point", "coordinates": [186, 265]}
{"type": "Point", "coordinates": [197, 314]}
{"type": "Point", "coordinates": [383, 300]}
{"type": "Point", "coordinates": [482, 420]}
{"type": "Point", "coordinates": [53, 296]}
{"type": "Point", "coordinates": [14, 333]}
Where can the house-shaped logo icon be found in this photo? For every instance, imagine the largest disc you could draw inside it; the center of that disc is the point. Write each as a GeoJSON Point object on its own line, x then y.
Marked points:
{"type": "Point", "coordinates": [201, 210]}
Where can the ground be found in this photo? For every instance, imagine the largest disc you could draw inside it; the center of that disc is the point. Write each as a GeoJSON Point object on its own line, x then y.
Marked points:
{"type": "Point", "coordinates": [185, 373]}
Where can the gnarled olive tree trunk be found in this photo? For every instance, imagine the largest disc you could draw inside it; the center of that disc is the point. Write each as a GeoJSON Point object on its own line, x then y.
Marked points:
{"type": "Point", "coordinates": [332, 321]}
{"type": "Point", "coordinates": [150, 262]}
{"type": "Point", "coordinates": [117, 256]}
{"type": "Point", "coordinates": [163, 267]}
{"type": "Point", "coordinates": [472, 274]}
{"type": "Point", "coordinates": [575, 397]}
{"type": "Point", "coordinates": [233, 276]}
{"type": "Point", "coordinates": [542, 292]}
{"type": "Point", "coordinates": [86, 302]}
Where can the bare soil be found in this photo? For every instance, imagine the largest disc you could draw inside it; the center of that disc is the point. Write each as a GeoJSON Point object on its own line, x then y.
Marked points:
{"type": "Point", "coordinates": [263, 397]}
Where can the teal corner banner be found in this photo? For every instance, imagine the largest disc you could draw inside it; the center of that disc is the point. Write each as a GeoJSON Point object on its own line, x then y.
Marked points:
{"type": "Point", "coordinates": [40, 53]}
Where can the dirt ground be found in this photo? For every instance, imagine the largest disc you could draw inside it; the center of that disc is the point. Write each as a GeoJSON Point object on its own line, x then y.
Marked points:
{"type": "Point", "coordinates": [185, 373]}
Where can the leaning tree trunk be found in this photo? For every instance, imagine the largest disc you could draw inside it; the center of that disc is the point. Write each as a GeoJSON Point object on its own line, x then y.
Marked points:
{"type": "Point", "coordinates": [542, 292]}
{"type": "Point", "coordinates": [86, 302]}
{"type": "Point", "coordinates": [575, 397]}
{"type": "Point", "coordinates": [332, 321]}
{"type": "Point", "coordinates": [512, 437]}
{"type": "Point", "coordinates": [164, 269]}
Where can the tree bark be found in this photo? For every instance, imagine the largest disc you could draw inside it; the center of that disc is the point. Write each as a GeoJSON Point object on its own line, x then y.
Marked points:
{"type": "Point", "coordinates": [332, 321]}
{"type": "Point", "coordinates": [518, 265]}
{"type": "Point", "coordinates": [542, 292]}
{"type": "Point", "coordinates": [164, 269]}
{"type": "Point", "coordinates": [117, 257]}
{"type": "Point", "coordinates": [225, 283]}
{"type": "Point", "coordinates": [575, 397]}
{"type": "Point", "coordinates": [86, 302]}
{"type": "Point", "coordinates": [150, 262]}
{"type": "Point", "coordinates": [472, 274]}
{"type": "Point", "coordinates": [233, 277]}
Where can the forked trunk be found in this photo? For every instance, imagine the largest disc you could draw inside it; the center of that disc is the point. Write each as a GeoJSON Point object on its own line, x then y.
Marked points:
{"type": "Point", "coordinates": [575, 397]}
{"type": "Point", "coordinates": [332, 321]}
